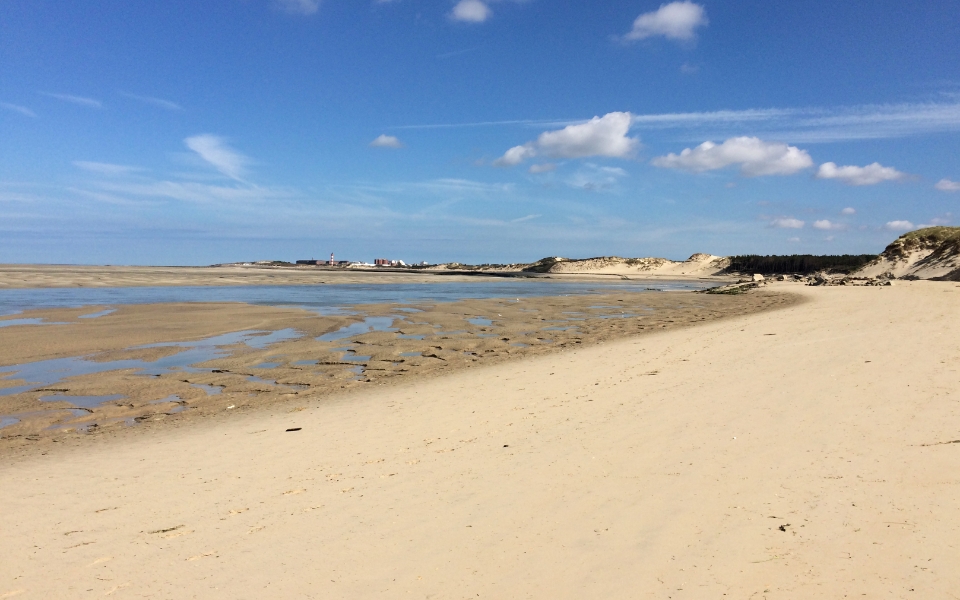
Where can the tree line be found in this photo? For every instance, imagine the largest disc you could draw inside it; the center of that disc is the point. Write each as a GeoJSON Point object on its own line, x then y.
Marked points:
{"type": "Point", "coordinates": [800, 264]}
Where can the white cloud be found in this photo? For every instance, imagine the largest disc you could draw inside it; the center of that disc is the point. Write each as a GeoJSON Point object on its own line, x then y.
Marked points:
{"type": "Point", "coordinates": [675, 21]}
{"type": "Point", "coordinates": [787, 223]}
{"type": "Point", "coordinates": [23, 110]}
{"type": "Point", "coordinates": [793, 239]}
{"type": "Point", "coordinates": [936, 221]}
{"type": "Point", "coordinates": [899, 225]}
{"type": "Point", "coordinates": [945, 185]}
{"type": "Point", "coordinates": [215, 151]}
{"type": "Point", "coordinates": [543, 168]}
{"type": "Point", "coordinates": [755, 157]}
{"type": "Point", "coordinates": [471, 11]}
{"type": "Point", "coordinates": [871, 174]}
{"type": "Point", "coordinates": [515, 156]}
{"type": "Point", "coordinates": [600, 136]}
{"type": "Point", "coordinates": [160, 102]}
{"type": "Point", "coordinates": [82, 101]}
{"type": "Point", "coordinates": [848, 211]}
{"type": "Point", "coordinates": [300, 7]}
{"type": "Point", "coordinates": [386, 141]}
{"type": "Point", "coordinates": [105, 168]}
{"type": "Point", "coordinates": [827, 225]}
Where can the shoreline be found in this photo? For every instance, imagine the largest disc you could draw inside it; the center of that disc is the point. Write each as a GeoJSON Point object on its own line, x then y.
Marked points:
{"type": "Point", "coordinates": [307, 358]}
{"type": "Point", "coordinates": [801, 452]}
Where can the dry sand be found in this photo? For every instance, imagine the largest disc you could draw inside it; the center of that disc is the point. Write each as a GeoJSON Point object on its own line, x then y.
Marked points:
{"type": "Point", "coordinates": [801, 453]}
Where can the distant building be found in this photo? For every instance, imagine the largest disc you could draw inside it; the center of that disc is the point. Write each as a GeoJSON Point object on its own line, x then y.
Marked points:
{"type": "Point", "coordinates": [312, 261]}
{"type": "Point", "coordinates": [382, 262]}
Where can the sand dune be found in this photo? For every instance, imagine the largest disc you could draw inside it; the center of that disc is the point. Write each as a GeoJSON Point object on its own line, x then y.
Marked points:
{"type": "Point", "coordinates": [801, 453]}
{"type": "Point", "coordinates": [930, 253]}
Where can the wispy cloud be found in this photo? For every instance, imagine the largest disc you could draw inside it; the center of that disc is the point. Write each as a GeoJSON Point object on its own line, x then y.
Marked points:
{"type": "Point", "coordinates": [79, 100]}
{"type": "Point", "coordinates": [106, 168]}
{"type": "Point", "coordinates": [899, 225]}
{"type": "Point", "coordinates": [471, 11]}
{"type": "Point", "coordinates": [818, 125]}
{"type": "Point", "coordinates": [159, 102]}
{"type": "Point", "coordinates": [542, 168]}
{"type": "Point", "coordinates": [23, 110]}
{"type": "Point", "coordinates": [386, 141]}
{"type": "Point", "coordinates": [299, 7]}
{"type": "Point", "coordinates": [827, 225]}
{"type": "Point", "coordinates": [215, 151]}
{"type": "Point", "coordinates": [946, 185]}
{"type": "Point", "coordinates": [871, 174]}
{"type": "Point", "coordinates": [794, 125]}
{"type": "Point", "coordinates": [458, 52]}
{"type": "Point", "coordinates": [787, 223]}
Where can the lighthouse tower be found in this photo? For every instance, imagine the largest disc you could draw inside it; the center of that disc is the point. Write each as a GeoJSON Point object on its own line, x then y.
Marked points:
{"type": "Point", "coordinates": [331, 259]}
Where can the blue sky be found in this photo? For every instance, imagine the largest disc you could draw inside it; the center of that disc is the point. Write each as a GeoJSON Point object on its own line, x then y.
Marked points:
{"type": "Point", "coordinates": [188, 132]}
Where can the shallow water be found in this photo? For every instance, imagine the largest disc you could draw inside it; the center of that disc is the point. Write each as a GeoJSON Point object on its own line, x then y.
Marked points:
{"type": "Point", "coordinates": [12, 322]}
{"type": "Point", "coordinates": [366, 326]}
{"type": "Point", "coordinates": [480, 321]}
{"type": "Point", "coordinates": [82, 401]}
{"type": "Point", "coordinates": [101, 313]}
{"type": "Point", "coordinates": [325, 299]}
{"type": "Point", "coordinates": [49, 372]}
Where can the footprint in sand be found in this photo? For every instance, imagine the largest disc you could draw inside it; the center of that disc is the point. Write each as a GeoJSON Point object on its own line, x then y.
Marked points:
{"type": "Point", "coordinates": [294, 492]}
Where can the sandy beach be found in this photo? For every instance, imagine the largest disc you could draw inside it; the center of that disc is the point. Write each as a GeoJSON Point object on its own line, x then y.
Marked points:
{"type": "Point", "coordinates": [802, 452]}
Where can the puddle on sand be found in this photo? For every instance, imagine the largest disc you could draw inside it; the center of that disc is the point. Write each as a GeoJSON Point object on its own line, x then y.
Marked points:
{"type": "Point", "coordinates": [519, 345]}
{"type": "Point", "coordinates": [411, 336]}
{"type": "Point", "coordinates": [304, 363]}
{"type": "Point", "coordinates": [408, 310]}
{"type": "Point", "coordinates": [82, 401]}
{"type": "Point", "coordinates": [366, 326]}
{"type": "Point", "coordinates": [407, 354]}
{"type": "Point", "coordinates": [101, 313]}
{"type": "Point", "coordinates": [487, 335]}
{"type": "Point", "coordinates": [480, 321]}
{"type": "Point", "coordinates": [357, 358]}
{"type": "Point", "coordinates": [8, 421]}
{"type": "Point", "coordinates": [171, 398]}
{"type": "Point", "coordinates": [211, 390]}
{"type": "Point", "coordinates": [12, 322]}
{"type": "Point", "coordinates": [262, 341]}
{"type": "Point", "coordinates": [49, 372]}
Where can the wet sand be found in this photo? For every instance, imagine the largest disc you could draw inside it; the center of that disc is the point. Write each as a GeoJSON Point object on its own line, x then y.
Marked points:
{"type": "Point", "coordinates": [73, 276]}
{"type": "Point", "coordinates": [315, 356]}
{"type": "Point", "coordinates": [806, 452]}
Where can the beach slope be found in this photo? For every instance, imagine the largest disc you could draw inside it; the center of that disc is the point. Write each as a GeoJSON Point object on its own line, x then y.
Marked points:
{"type": "Point", "coordinates": [808, 452]}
